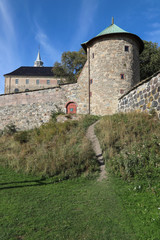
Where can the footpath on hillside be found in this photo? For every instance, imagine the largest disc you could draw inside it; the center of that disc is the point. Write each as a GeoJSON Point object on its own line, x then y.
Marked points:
{"type": "Point", "coordinates": [97, 149]}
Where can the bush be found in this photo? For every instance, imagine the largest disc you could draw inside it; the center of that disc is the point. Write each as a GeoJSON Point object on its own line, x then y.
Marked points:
{"type": "Point", "coordinates": [22, 137]}
{"type": "Point", "coordinates": [10, 129]}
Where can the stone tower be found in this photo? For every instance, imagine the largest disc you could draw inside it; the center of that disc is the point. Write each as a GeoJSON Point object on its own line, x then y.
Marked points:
{"type": "Point", "coordinates": [111, 69]}
{"type": "Point", "coordinates": [38, 62]}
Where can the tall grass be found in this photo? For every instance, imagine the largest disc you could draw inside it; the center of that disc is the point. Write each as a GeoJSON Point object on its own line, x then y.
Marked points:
{"type": "Point", "coordinates": [53, 149]}
{"type": "Point", "coordinates": [131, 144]}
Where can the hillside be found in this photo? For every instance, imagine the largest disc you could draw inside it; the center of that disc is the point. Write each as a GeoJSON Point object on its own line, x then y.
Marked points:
{"type": "Point", "coordinates": [38, 204]}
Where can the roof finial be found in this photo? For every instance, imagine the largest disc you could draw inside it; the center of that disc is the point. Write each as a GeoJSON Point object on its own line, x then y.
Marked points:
{"type": "Point", "coordinates": [112, 20]}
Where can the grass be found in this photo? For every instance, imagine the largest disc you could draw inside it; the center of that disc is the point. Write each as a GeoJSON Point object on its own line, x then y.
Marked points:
{"type": "Point", "coordinates": [131, 149]}
{"type": "Point", "coordinates": [42, 206]}
{"type": "Point", "coordinates": [51, 150]}
{"type": "Point", "coordinates": [32, 208]}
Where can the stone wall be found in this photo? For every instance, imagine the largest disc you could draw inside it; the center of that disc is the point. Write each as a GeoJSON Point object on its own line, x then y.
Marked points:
{"type": "Point", "coordinates": [30, 109]}
{"type": "Point", "coordinates": [108, 61]}
{"type": "Point", "coordinates": [145, 96]}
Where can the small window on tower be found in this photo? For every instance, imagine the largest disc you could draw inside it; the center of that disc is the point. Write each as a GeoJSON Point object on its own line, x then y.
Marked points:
{"type": "Point", "coordinates": [121, 91]}
{"type": "Point", "coordinates": [122, 76]}
{"type": "Point", "coordinates": [126, 48]}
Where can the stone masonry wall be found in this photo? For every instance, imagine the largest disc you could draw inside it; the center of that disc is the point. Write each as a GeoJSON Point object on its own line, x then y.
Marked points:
{"type": "Point", "coordinates": [145, 96]}
{"type": "Point", "coordinates": [108, 60]}
{"type": "Point", "coordinates": [30, 109]}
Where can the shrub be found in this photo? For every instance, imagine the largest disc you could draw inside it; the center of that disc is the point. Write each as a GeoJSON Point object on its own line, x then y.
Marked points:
{"type": "Point", "coordinates": [10, 129]}
{"type": "Point", "coordinates": [22, 137]}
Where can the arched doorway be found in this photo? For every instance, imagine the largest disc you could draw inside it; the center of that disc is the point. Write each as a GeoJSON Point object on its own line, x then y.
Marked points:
{"type": "Point", "coordinates": [71, 108]}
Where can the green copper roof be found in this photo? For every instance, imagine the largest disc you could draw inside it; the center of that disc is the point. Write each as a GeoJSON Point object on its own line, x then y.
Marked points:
{"type": "Point", "coordinates": [113, 28]}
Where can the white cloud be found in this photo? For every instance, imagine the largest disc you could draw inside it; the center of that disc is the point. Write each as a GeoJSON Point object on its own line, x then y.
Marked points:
{"type": "Point", "coordinates": [85, 21]}
{"type": "Point", "coordinates": [8, 52]}
{"type": "Point", "coordinates": [49, 50]}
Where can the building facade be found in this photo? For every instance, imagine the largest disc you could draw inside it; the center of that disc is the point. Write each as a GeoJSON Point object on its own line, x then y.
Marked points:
{"type": "Point", "coordinates": [30, 78]}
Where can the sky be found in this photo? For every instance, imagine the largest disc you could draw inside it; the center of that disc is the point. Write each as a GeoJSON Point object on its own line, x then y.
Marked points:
{"type": "Point", "coordinates": [62, 25]}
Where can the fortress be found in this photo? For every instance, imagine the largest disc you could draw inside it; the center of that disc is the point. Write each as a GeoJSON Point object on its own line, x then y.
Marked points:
{"type": "Point", "coordinates": [109, 82]}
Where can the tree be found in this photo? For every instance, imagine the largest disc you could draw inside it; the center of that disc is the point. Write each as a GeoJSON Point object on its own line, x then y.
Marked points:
{"type": "Point", "coordinates": [149, 59]}
{"type": "Point", "coordinates": [71, 65]}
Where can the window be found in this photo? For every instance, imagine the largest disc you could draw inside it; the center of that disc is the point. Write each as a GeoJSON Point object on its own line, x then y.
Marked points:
{"type": "Point", "coordinates": [37, 81]}
{"type": "Point", "coordinates": [27, 81]}
{"type": "Point", "coordinates": [122, 76]}
{"type": "Point", "coordinates": [91, 81]}
{"type": "Point", "coordinates": [16, 81]}
{"type": "Point", "coordinates": [121, 91]}
{"type": "Point", "coordinates": [92, 55]}
{"type": "Point", "coordinates": [48, 81]}
{"type": "Point", "coordinates": [16, 90]}
{"type": "Point", "coordinates": [126, 48]}
{"type": "Point", "coordinates": [26, 90]}
{"type": "Point", "coordinates": [58, 81]}
{"type": "Point", "coordinates": [71, 109]}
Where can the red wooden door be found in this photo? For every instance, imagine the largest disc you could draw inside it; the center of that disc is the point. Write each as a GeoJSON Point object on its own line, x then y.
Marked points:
{"type": "Point", "coordinates": [71, 108]}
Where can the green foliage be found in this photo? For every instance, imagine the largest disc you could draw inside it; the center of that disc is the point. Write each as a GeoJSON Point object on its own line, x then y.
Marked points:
{"type": "Point", "coordinates": [22, 137]}
{"type": "Point", "coordinates": [10, 129]}
{"type": "Point", "coordinates": [131, 145]}
{"type": "Point", "coordinates": [55, 113]}
{"type": "Point", "coordinates": [71, 65]}
{"type": "Point", "coordinates": [149, 59]}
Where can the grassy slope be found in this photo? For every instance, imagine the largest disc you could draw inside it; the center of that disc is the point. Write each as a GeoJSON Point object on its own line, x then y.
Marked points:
{"type": "Point", "coordinates": [131, 147]}
{"type": "Point", "coordinates": [121, 208]}
{"type": "Point", "coordinates": [33, 209]}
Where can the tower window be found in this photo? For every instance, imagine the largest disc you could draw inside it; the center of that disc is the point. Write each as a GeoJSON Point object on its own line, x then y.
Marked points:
{"type": "Point", "coordinates": [121, 91]}
{"type": "Point", "coordinates": [27, 81]}
{"type": "Point", "coordinates": [126, 48]}
{"type": "Point", "coordinates": [122, 76]}
{"type": "Point", "coordinates": [92, 55]}
{"type": "Point", "coordinates": [48, 82]}
{"type": "Point", "coordinates": [37, 81]}
{"type": "Point", "coordinates": [16, 81]}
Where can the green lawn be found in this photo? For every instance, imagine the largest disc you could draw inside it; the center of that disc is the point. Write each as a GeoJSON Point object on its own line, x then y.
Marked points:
{"type": "Point", "coordinates": [74, 209]}
{"type": "Point", "coordinates": [80, 208]}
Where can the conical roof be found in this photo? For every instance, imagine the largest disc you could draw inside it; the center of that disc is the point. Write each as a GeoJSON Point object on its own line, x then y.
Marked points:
{"type": "Point", "coordinates": [113, 29]}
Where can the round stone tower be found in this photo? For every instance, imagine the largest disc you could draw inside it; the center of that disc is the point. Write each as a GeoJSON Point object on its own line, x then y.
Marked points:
{"type": "Point", "coordinates": [113, 67]}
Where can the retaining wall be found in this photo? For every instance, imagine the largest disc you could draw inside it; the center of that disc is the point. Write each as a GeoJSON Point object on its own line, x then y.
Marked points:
{"type": "Point", "coordinates": [145, 96]}
{"type": "Point", "coordinates": [30, 109]}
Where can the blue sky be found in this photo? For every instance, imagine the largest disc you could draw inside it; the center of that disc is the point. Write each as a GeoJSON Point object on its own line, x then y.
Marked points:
{"type": "Point", "coordinates": [62, 25]}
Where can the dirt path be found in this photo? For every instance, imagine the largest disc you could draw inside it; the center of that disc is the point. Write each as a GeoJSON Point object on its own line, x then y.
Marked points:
{"type": "Point", "coordinates": [97, 149]}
